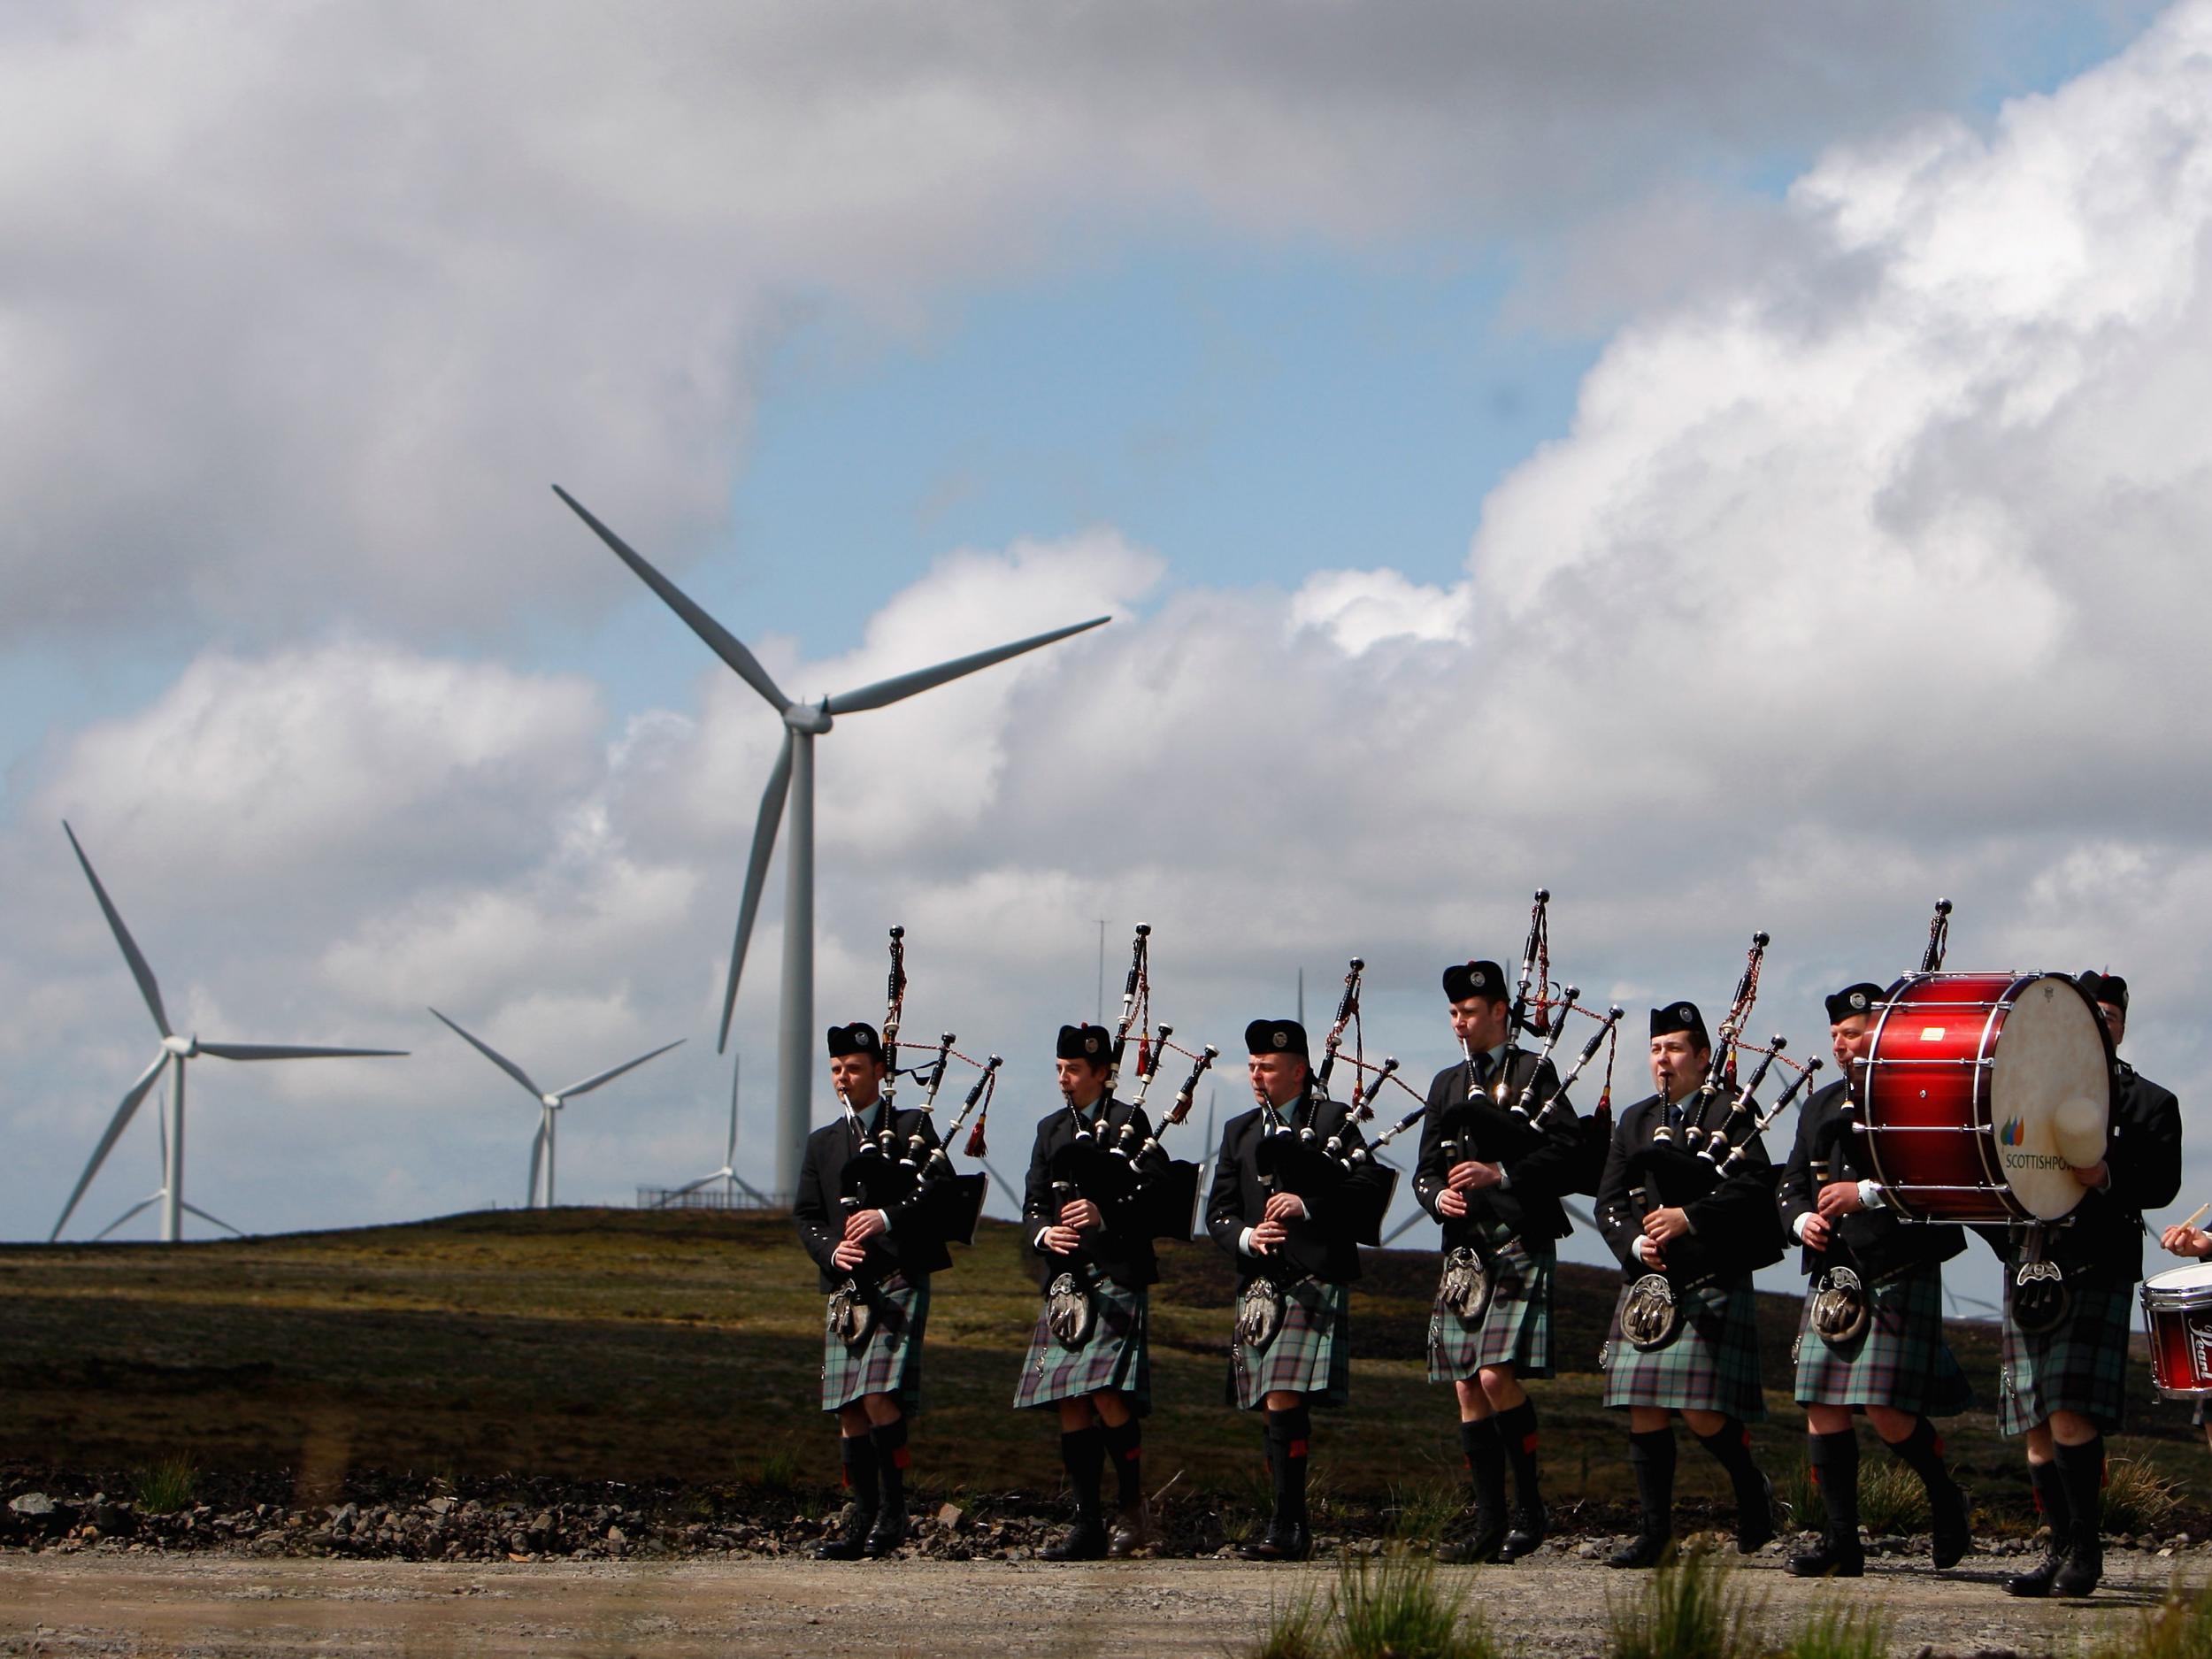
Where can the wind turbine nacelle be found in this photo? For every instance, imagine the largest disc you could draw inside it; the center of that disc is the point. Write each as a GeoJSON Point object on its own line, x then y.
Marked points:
{"type": "Point", "coordinates": [812, 721]}
{"type": "Point", "coordinates": [553, 1100]}
{"type": "Point", "coordinates": [183, 1047]}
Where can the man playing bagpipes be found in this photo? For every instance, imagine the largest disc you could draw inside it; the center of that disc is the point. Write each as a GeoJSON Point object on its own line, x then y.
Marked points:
{"type": "Point", "coordinates": [870, 1223]}
{"type": "Point", "coordinates": [1088, 1217]}
{"type": "Point", "coordinates": [1291, 1213]}
{"type": "Point", "coordinates": [1493, 1177]}
{"type": "Point", "coordinates": [1689, 1232]}
{"type": "Point", "coordinates": [1871, 1337]}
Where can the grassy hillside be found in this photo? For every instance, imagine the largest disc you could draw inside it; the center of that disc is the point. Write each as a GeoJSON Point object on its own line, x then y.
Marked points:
{"type": "Point", "coordinates": [632, 1346]}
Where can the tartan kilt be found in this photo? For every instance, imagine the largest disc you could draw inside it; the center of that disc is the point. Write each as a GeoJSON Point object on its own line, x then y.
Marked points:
{"type": "Point", "coordinates": [1115, 1355]}
{"type": "Point", "coordinates": [1514, 1330]}
{"type": "Point", "coordinates": [889, 1360]}
{"type": "Point", "coordinates": [1712, 1364]}
{"type": "Point", "coordinates": [2080, 1366]}
{"type": "Point", "coordinates": [1311, 1354]}
{"type": "Point", "coordinates": [1901, 1359]}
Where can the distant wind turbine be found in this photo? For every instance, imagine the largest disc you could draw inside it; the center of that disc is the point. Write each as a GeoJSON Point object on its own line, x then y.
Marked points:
{"type": "Point", "coordinates": [803, 723]}
{"type": "Point", "coordinates": [548, 1105]}
{"type": "Point", "coordinates": [728, 1171]}
{"type": "Point", "coordinates": [175, 1053]}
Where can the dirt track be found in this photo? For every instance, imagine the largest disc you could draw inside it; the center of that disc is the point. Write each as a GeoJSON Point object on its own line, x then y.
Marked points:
{"type": "Point", "coordinates": [206, 1605]}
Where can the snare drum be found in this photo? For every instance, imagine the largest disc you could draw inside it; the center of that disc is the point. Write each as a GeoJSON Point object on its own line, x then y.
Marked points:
{"type": "Point", "coordinates": [2177, 1318]}
{"type": "Point", "coordinates": [1972, 1083]}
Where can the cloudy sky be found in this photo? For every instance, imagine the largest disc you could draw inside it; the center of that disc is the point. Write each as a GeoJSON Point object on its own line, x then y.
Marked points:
{"type": "Point", "coordinates": [1738, 467]}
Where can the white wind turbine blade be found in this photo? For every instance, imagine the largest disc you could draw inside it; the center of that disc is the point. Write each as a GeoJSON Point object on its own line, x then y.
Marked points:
{"type": "Point", "coordinates": [899, 686]}
{"type": "Point", "coordinates": [729, 1156]}
{"type": "Point", "coordinates": [764, 829]}
{"type": "Point", "coordinates": [140, 1206]}
{"type": "Point", "coordinates": [499, 1060]}
{"type": "Point", "coordinates": [591, 1083]}
{"type": "Point", "coordinates": [140, 971]}
{"type": "Point", "coordinates": [214, 1221]}
{"type": "Point", "coordinates": [537, 1155]}
{"type": "Point", "coordinates": [719, 640]}
{"type": "Point", "coordinates": [285, 1052]}
{"type": "Point", "coordinates": [116, 1126]}
{"type": "Point", "coordinates": [690, 1187]}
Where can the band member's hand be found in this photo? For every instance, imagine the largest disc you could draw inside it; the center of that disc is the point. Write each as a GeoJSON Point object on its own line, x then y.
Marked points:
{"type": "Point", "coordinates": [2186, 1241]}
{"type": "Point", "coordinates": [863, 1225]}
{"type": "Point", "coordinates": [1270, 1235]}
{"type": "Point", "coordinates": [2097, 1175]}
{"type": "Point", "coordinates": [1451, 1203]}
{"type": "Point", "coordinates": [1473, 1177]}
{"type": "Point", "coordinates": [1081, 1214]}
{"type": "Point", "coordinates": [1062, 1241]}
{"type": "Point", "coordinates": [1282, 1206]}
{"type": "Point", "coordinates": [1817, 1232]}
{"type": "Point", "coordinates": [1839, 1198]}
{"type": "Point", "coordinates": [848, 1254]}
{"type": "Point", "coordinates": [1662, 1225]}
{"type": "Point", "coordinates": [1650, 1254]}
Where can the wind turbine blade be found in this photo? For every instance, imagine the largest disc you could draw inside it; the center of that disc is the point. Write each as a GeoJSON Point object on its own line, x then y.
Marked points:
{"type": "Point", "coordinates": [764, 829]}
{"type": "Point", "coordinates": [116, 1126]}
{"type": "Point", "coordinates": [537, 1154]}
{"type": "Point", "coordinates": [729, 1157]}
{"type": "Point", "coordinates": [136, 1209]}
{"type": "Point", "coordinates": [719, 640]}
{"type": "Point", "coordinates": [591, 1083]}
{"type": "Point", "coordinates": [888, 691]}
{"type": "Point", "coordinates": [214, 1221]}
{"type": "Point", "coordinates": [497, 1059]}
{"type": "Point", "coordinates": [287, 1051]}
{"type": "Point", "coordinates": [689, 1187]}
{"type": "Point", "coordinates": [140, 971]}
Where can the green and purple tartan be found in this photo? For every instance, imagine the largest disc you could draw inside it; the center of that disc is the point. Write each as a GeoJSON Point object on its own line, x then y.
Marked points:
{"type": "Point", "coordinates": [1711, 1366]}
{"type": "Point", "coordinates": [1311, 1354]}
{"type": "Point", "coordinates": [1114, 1356]}
{"type": "Point", "coordinates": [889, 1360]}
{"type": "Point", "coordinates": [2080, 1366]}
{"type": "Point", "coordinates": [1514, 1330]}
{"type": "Point", "coordinates": [1901, 1359]}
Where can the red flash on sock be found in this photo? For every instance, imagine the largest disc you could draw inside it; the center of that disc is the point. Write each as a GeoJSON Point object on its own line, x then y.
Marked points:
{"type": "Point", "coordinates": [902, 1458]}
{"type": "Point", "coordinates": [1297, 1449]}
{"type": "Point", "coordinates": [1528, 1442]}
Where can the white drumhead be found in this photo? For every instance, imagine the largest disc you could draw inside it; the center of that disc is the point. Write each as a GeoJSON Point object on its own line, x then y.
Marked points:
{"type": "Point", "coordinates": [2049, 1053]}
{"type": "Point", "coordinates": [2179, 1287]}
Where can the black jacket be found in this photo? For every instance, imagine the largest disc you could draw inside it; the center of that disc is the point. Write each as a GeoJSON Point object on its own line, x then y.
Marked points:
{"type": "Point", "coordinates": [1542, 1165]}
{"type": "Point", "coordinates": [2103, 1237]}
{"type": "Point", "coordinates": [1323, 1244]}
{"type": "Point", "coordinates": [915, 1245]}
{"type": "Point", "coordinates": [1876, 1241]}
{"type": "Point", "coordinates": [1123, 1249]}
{"type": "Point", "coordinates": [1734, 1227]}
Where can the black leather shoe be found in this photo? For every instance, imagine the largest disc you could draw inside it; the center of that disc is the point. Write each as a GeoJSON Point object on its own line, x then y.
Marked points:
{"type": "Point", "coordinates": [887, 1534]}
{"type": "Point", "coordinates": [1526, 1533]}
{"type": "Point", "coordinates": [2078, 1573]}
{"type": "Point", "coordinates": [1829, 1559]}
{"type": "Point", "coordinates": [1951, 1530]}
{"type": "Point", "coordinates": [1280, 1543]}
{"type": "Point", "coordinates": [1481, 1544]}
{"type": "Point", "coordinates": [1644, 1551]}
{"type": "Point", "coordinates": [1754, 1521]}
{"type": "Point", "coordinates": [1085, 1540]}
{"type": "Point", "coordinates": [850, 1544]}
{"type": "Point", "coordinates": [2037, 1579]}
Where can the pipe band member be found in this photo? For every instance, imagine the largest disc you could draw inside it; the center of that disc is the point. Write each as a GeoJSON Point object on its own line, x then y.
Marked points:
{"type": "Point", "coordinates": [1087, 1220]}
{"type": "Point", "coordinates": [1290, 1215]}
{"type": "Point", "coordinates": [1872, 1336]}
{"type": "Point", "coordinates": [869, 1227]}
{"type": "Point", "coordinates": [1494, 1184]}
{"type": "Point", "coordinates": [2064, 1387]}
{"type": "Point", "coordinates": [1688, 1246]}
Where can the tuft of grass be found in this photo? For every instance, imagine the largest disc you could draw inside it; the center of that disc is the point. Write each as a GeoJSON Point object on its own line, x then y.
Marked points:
{"type": "Point", "coordinates": [1892, 1497]}
{"type": "Point", "coordinates": [1390, 1607]}
{"type": "Point", "coordinates": [1421, 1509]}
{"type": "Point", "coordinates": [778, 1474]}
{"type": "Point", "coordinates": [165, 1488]}
{"type": "Point", "coordinates": [1837, 1629]}
{"type": "Point", "coordinates": [2179, 1627]}
{"type": "Point", "coordinates": [2137, 1497]}
{"type": "Point", "coordinates": [1799, 1494]}
{"type": "Point", "coordinates": [1686, 1609]}
{"type": "Point", "coordinates": [1297, 1628]}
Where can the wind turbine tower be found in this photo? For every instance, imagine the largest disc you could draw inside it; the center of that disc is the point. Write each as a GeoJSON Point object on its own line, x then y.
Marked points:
{"type": "Point", "coordinates": [176, 1053]}
{"type": "Point", "coordinates": [792, 776]}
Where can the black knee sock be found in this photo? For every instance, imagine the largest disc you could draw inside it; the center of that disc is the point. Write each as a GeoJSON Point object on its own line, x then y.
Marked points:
{"type": "Point", "coordinates": [1651, 1454]}
{"type": "Point", "coordinates": [891, 1461]}
{"type": "Point", "coordinates": [1287, 1434]}
{"type": "Point", "coordinates": [1922, 1452]}
{"type": "Point", "coordinates": [1125, 1447]}
{"type": "Point", "coordinates": [2050, 1497]}
{"type": "Point", "coordinates": [1731, 1446]}
{"type": "Point", "coordinates": [1517, 1428]}
{"type": "Point", "coordinates": [1485, 1466]}
{"type": "Point", "coordinates": [858, 1453]}
{"type": "Point", "coordinates": [1084, 1452]}
{"type": "Point", "coordinates": [2081, 1469]}
{"type": "Point", "coordinates": [1835, 1459]}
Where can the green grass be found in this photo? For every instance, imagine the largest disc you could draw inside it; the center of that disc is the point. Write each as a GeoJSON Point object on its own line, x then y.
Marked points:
{"type": "Point", "coordinates": [1296, 1627]}
{"type": "Point", "coordinates": [1387, 1606]}
{"type": "Point", "coordinates": [1892, 1497]}
{"type": "Point", "coordinates": [165, 1488]}
{"type": "Point", "coordinates": [1687, 1610]}
{"type": "Point", "coordinates": [1838, 1629]}
{"type": "Point", "coordinates": [2179, 1627]}
{"type": "Point", "coordinates": [2139, 1497]}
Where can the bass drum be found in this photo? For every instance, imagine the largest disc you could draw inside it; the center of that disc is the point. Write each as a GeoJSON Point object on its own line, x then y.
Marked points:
{"type": "Point", "coordinates": [1982, 1092]}
{"type": "Point", "coordinates": [2177, 1318]}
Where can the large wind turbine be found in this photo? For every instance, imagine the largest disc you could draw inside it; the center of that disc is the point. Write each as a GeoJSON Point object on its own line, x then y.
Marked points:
{"type": "Point", "coordinates": [175, 1053]}
{"type": "Point", "coordinates": [728, 1171]}
{"type": "Point", "coordinates": [548, 1105]}
{"type": "Point", "coordinates": [803, 723]}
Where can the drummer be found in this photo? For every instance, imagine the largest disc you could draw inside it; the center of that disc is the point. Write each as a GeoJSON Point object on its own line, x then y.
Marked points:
{"type": "Point", "coordinates": [2062, 1388]}
{"type": "Point", "coordinates": [2184, 1239]}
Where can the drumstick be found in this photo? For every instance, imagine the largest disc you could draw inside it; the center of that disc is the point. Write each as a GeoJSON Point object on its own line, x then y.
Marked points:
{"type": "Point", "coordinates": [2197, 1215]}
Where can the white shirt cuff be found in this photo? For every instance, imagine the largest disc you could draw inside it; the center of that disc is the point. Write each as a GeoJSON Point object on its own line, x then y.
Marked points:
{"type": "Point", "coordinates": [1801, 1223]}
{"type": "Point", "coordinates": [1643, 1243]}
{"type": "Point", "coordinates": [1038, 1243]}
{"type": "Point", "coordinates": [1244, 1243]}
{"type": "Point", "coordinates": [887, 1219]}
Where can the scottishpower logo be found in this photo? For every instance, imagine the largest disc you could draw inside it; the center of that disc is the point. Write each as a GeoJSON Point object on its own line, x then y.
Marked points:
{"type": "Point", "coordinates": [2012, 1133]}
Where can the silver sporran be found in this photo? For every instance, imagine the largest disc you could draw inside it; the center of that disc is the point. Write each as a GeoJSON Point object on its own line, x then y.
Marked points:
{"type": "Point", "coordinates": [1650, 1315]}
{"type": "Point", "coordinates": [1069, 1313]}
{"type": "Point", "coordinates": [1466, 1286]}
{"type": "Point", "coordinates": [1841, 1307]}
{"type": "Point", "coordinates": [850, 1315]}
{"type": "Point", "coordinates": [2040, 1298]}
{"type": "Point", "coordinates": [1259, 1313]}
